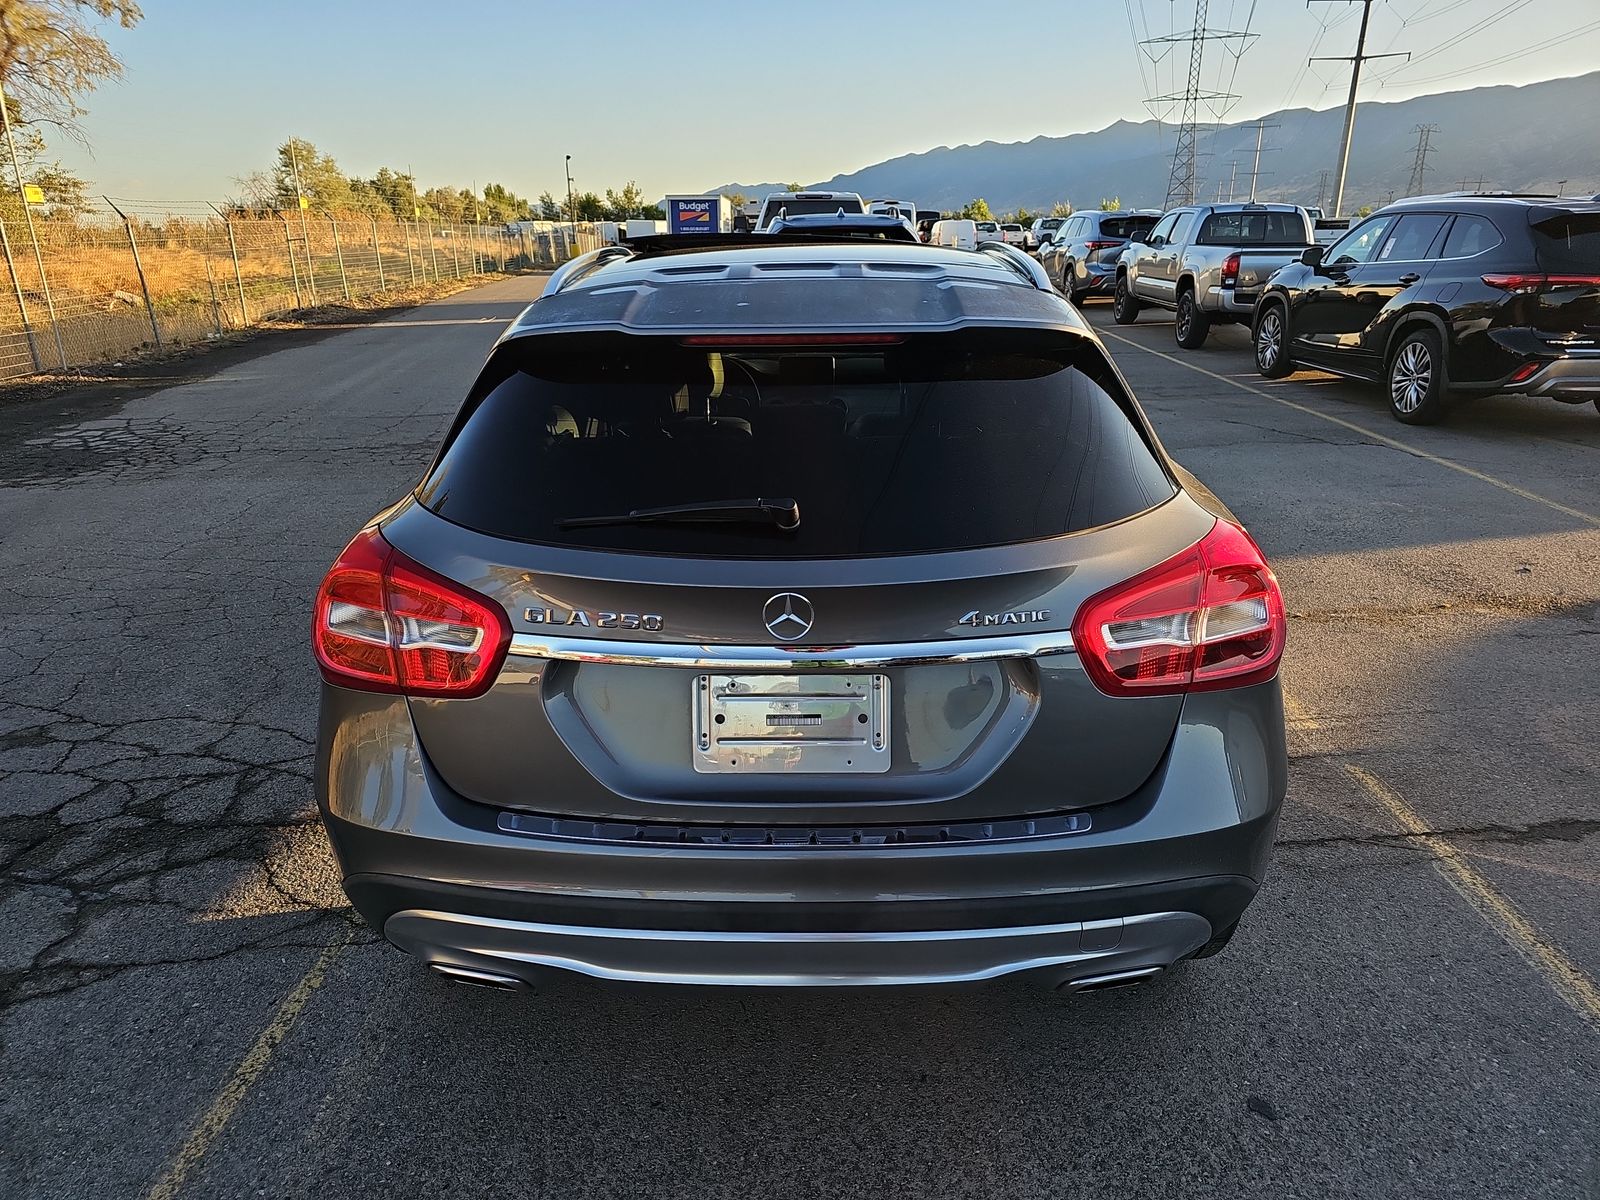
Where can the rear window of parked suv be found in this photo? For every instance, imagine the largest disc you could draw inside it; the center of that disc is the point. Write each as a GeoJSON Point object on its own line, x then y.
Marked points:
{"type": "Point", "coordinates": [908, 448]}
{"type": "Point", "coordinates": [1126, 227]}
{"type": "Point", "coordinates": [1569, 243]}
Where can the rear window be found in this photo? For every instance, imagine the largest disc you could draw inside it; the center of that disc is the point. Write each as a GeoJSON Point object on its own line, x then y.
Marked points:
{"type": "Point", "coordinates": [1251, 229]}
{"type": "Point", "coordinates": [796, 208]}
{"type": "Point", "coordinates": [910, 448]}
{"type": "Point", "coordinates": [1127, 227]}
{"type": "Point", "coordinates": [1569, 242]}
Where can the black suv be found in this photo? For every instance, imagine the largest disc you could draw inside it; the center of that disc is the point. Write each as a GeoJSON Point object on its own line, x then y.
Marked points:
{"type": "Point", "coordinates": [1442, 295]}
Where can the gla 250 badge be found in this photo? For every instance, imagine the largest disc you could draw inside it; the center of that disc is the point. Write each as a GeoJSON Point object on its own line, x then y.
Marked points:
{"type": "Point", "coordinates": [588, 618]}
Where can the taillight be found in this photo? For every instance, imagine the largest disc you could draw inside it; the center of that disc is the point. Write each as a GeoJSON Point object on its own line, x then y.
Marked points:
{"type": "Point", "coordinates": [1230, 270]}
{"type": "Point", "coordinates": [1100, 245]}
{"type": "Point", "coordinates": [1514, 282]}
{"type": "Point", "coordinates": [384, 623]}
{"type": "Point", "coordinates": [1210, 617]}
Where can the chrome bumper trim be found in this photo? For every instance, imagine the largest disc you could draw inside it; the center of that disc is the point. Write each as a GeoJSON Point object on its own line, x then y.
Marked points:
{"type": "Point", "coordinates": [786, 658]}
{"type": "Point", "coordinates": [755, 959]}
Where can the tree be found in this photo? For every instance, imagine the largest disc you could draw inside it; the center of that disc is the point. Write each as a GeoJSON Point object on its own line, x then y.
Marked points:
{"type": "Point", "coordinates": [51, 55]}
{"type": "Point", "coordinates": [626, 204]}
{"type": "Point", "coordinates": [589, 206]}
{"type": "Point", "coordinates": [1023, 217]}
{"type": "Point", "coordinates": [1365, 211]}
{"type": "Point", "coordinates": [65, 195]}
{"type": "Point", "coordinates": [302, 170]}
{"type": "Point", "coordinates": [549, 209]}
{"type": "Point", "coordinates": [977, 210]}
{"type": "Point", "coordinates": [1110, 203]}
{"type": "Point", "coordinates": [1061, 209]}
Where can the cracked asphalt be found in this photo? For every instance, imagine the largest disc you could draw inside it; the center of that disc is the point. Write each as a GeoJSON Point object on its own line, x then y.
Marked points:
{"type": "Point", "coordinates": [188, 1009]}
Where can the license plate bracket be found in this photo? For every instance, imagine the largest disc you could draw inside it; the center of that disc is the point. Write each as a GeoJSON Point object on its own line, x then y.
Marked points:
{"type": "Point", "coordinates": [800, 723]}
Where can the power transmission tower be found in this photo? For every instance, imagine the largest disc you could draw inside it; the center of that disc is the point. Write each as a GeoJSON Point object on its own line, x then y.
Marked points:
{"type": "Point", "coordinates": [1322, 189]}
{"type": "Point", "coordinates": [1355, 60]}
{"type": "Point", "coordinates": [1419, 164]}
{"type": "Point", "coordinates": [1233, 176]}
{"type": "Point", "coordinates": [1255, 171]}
{"type": "Point", "coordinates": [1181, 181]}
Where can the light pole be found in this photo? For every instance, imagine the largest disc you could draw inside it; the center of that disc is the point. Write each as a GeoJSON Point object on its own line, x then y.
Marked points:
{"type": "Point", "coordinates": [572, 209]}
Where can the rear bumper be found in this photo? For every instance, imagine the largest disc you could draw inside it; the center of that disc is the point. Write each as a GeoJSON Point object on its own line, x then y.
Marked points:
{"type": "Point", "coordinates": [1226, 302]}
{"type": "Point", "coordinates": [1574, 380]}
{"type": "Point", "coordinates": [1149, 881]}
{"type": "Point", "coordinates": [523, 949]}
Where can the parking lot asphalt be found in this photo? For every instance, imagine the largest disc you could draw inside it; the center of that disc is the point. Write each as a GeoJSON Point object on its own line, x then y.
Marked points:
{"type": "Point", "coordinates": [188, 1009]}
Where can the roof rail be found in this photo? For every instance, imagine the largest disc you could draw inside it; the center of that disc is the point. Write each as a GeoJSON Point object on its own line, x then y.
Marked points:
{"type": "Point", "coordinates": [1019, 262]}
{"type": "Point", "coordinates": [575, 269]}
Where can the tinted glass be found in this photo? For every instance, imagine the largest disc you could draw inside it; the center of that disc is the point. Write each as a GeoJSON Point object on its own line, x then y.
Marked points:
{"type": "Point", "coordinates": [1184, 227]}
{"type": "Point", "coordinates": [1126, 227]}
{"type": "Point", "coordinates": [796, 207]}
{"type": "Point", "coordinates": [1252, 229]}
{"type": "Point", "coordinates": [1469, 236]}
{"type": "Point", "coordinates": [1163, 228]}
{"type": "Point", "coordinates": [887, 450]}
{"type": "Point", "coordinates": [1569, 243]}
{"type": "Point", "coordinates": [1359, 244]}
{"type": "Point", "coordinates": [1411, 237]}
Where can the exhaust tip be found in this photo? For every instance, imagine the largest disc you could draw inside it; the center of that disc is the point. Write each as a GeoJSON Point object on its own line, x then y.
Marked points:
{"type": "Point", "coordinates": [1116, 979]}
{"type": "Point", "coordinates": [467, 977]}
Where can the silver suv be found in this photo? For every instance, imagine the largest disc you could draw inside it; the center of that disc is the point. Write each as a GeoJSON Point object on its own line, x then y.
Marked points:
{"type": "Point", "coordinates": [801, 614]}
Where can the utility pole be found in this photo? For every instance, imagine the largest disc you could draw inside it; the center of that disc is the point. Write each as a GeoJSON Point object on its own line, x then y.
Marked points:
{"type": "Point", "coordinates": [1322, 189]}
{"type": "Point", "coordinates": [1355, 60]}
{"type": "Point", "coordinates": [1255, 171]}
{"type": "Point", "coordinates": [1233, 176]}
{"type": "Point", "coordinates": [1419, 164]}
{"type": "Point", "coordinates": [1182, 184]}
{"type": "Point", "coordinates": [305, 228]}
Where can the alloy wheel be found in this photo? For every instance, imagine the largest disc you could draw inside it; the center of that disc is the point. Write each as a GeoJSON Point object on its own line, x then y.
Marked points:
{"type": "Point", "coordinates": [1410, 377]}
{"type": "Point", "coordinates": [1269, 339]}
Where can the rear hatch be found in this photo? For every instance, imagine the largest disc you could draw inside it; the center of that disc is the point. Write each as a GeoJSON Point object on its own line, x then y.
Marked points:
{"type": "Point", "coordinates": [957, 502]}
{"type": "Point", "coordinates": [1566, 312]}
{"type": "Point", "coordinates": [1106, 245]}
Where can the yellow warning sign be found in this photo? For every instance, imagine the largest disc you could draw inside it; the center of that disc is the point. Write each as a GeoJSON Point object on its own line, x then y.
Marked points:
{"type": "Point", "coordinates": [33, 193]}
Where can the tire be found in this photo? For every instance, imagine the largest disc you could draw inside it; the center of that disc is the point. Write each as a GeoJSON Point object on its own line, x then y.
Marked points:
{"type": "Point", "coordinates": [1124, 308]}
{"type": "Point", "coordinates": [1217, 944]}
{"type": "Point", "coordinates": [1067, 274]}
{"type": "Point", "coordinates": [1272, 358]}
{"type": "Point", "coordinates": [1192, 324]}
{"type": "Point", "coordinates": [1415, 379]}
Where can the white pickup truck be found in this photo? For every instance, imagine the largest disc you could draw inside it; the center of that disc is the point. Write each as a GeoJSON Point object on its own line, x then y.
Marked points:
{"type": "Point", "coordinates": [1208, 263]}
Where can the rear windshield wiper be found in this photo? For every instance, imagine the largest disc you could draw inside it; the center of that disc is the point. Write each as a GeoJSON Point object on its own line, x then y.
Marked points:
{"type": "Point", "coordinates": [783, 512]}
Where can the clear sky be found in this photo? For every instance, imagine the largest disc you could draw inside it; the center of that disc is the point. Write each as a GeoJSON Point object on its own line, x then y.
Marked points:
{"type": "Point", "coordinates": [684, 95]}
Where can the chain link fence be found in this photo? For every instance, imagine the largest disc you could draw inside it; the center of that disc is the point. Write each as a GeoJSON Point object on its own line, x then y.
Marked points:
{"type": "Point", "coordinates": [130, 276]}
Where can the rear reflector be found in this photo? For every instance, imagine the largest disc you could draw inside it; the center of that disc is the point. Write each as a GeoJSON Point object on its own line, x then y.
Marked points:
{"type": "Point", "coordinates": [794, 339]}
{"type": "Point", "coordinates": [1525, 372]}
{"type": "Point", "coordinates": [1210, 617]}
{"type": "Point", "coordinates": [384, 623]}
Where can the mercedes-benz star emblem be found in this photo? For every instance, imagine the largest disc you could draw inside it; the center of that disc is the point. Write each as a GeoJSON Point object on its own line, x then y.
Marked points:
{"type": "Point", "coordinates": [788, 616]}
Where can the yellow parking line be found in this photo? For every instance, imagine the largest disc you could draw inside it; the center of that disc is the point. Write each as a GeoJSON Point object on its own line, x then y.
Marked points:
{"type": "Point", "coordinates": [245, 1076]}
{"type": "Point", "coordinates": [1396, 443]}
{"type": "Point", "coordinates": [1565, 977]}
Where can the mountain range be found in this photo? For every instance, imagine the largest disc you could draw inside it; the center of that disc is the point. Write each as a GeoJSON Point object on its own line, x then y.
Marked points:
{"type": "Point", "coordinates": [1527, 138]}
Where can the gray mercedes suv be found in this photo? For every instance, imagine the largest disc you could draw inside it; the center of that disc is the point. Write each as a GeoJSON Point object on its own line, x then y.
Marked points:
{"type": "Point", "coordinates": [794, 611]}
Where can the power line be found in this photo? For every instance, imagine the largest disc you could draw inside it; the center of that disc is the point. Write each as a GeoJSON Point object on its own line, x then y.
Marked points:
{"type": "Point", "coordinates": [1181, 180]}
{"type": "Point", "coordinates": [1355, 61]}
{"type": "Point", "coordinates": [1479, 27]}
{"type": "Point", "coordinates": [1419, 164]}
{"type": "Point", "coordinates": [1255, 170]}
{"type": "Point", "coordinates": [1510, 57]}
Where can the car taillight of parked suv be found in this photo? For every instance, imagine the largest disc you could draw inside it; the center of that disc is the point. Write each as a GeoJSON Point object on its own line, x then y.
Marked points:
{"type": "Point", "coordinates": [801, 614]}
{"type": "Point", "coordinates": [1441, 297]}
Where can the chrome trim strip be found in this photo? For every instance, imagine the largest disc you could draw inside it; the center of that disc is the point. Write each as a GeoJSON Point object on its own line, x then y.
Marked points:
{"type": "Point", "coordinates": [789, 959]}
{"type": "Point", "coordinates": [788, 658]}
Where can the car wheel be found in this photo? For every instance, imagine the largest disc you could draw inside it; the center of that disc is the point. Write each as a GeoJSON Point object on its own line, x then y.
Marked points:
{"type": "Point", "coordinates": [1271, 339]}
{"type": "Point", "coordinates": [1417, 393]}
{"type": "Point", "coordinates": [1068, 274]}
{"type": "Point", "coordinates": [1192, 324]}
{"type": "Point", "coordinates": [1124, 308]}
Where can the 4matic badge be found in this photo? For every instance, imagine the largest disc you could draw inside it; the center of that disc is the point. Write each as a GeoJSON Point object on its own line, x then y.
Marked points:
{"type": "Point", "coordinates": [1025, 616]}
